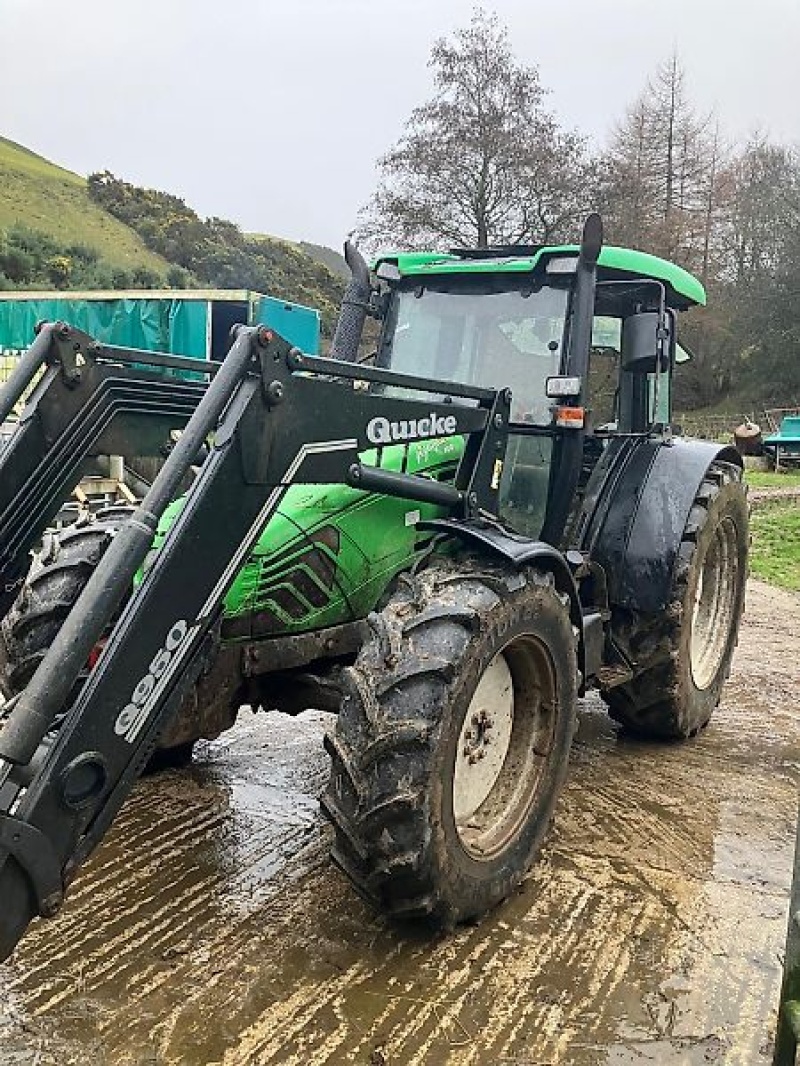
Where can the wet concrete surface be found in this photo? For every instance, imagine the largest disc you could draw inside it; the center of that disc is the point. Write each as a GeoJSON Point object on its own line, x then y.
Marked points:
{"type": "Point", "coordinates": [210, 927]}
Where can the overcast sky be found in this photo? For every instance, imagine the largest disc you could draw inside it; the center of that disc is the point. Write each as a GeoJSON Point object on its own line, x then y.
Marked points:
{"type": "Point", "coordinates": [273, 112]}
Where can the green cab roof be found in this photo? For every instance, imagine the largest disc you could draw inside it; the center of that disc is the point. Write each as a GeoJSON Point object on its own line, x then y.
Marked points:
{"type": "Point", "coordinates": [614, 264]}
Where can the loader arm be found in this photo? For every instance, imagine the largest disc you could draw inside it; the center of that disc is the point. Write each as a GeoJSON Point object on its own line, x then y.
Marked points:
{"type": "Point", "coordinates": [276, 418]}
{"type": "Point", "coordinates": [89, 401]}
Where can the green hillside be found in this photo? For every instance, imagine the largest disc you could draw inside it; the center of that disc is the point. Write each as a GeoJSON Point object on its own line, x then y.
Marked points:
{"type": "Point", "coordinates": [215, 251]}
{"type": "Point", "coordinates": [38, 195]}
{"type": "Point", "coordinates": [332, 259]}
{"type": "Point", "coordinates": [59, 230]}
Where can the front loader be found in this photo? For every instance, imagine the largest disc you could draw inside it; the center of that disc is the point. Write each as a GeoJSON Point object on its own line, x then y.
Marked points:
{"type": "Point", "coordinates": [446, 543]}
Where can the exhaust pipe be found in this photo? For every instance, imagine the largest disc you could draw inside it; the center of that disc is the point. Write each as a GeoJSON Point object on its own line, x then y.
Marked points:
{"type": "Point", "coordinates": [355, 306]}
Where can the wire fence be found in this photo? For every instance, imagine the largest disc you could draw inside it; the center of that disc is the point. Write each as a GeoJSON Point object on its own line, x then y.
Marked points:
{"type": "Point", "coordinates": [713, 427]}
{"type": "Point", "coordinates": [774, 416]}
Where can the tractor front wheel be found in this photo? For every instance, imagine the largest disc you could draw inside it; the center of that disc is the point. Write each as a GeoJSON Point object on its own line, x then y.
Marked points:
{"type": "Point", "coordinates": [58, 575]}
{"type": "Point", "coordinates": [684, 653]}
{"type": "Point", "coordinates": [452, 741]}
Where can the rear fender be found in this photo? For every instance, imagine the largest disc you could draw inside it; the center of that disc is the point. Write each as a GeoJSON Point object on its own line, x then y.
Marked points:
{"type": "Point", "coordinates": [636, 535]}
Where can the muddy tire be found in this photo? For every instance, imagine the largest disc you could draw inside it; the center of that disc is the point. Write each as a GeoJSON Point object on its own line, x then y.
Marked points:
{"type": "Point", "coordinates": [452, 742]}
{"type": "Point", "coordinates": [58, 575]}
{"type": "Point", "coordinates": [684, 653]}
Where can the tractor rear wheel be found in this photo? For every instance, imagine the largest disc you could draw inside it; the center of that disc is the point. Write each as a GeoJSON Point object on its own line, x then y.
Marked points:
{"type": "Point", "coordinates": [684, 653]}
{"type": "Point", "coordinates": [452, 742]}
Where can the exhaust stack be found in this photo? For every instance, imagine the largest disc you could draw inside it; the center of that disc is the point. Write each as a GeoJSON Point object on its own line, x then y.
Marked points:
{"type": "Point", "coordinates": [355, 307]}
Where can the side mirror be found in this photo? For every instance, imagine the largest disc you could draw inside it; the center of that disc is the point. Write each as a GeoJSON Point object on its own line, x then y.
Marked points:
{"type": "Point", "coordinates": [644, 335]}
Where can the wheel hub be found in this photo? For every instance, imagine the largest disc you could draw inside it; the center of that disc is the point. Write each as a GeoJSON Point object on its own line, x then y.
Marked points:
{"type": "Point", "coordinates": [503, 747]}
{"type": "Point", "coordinates": [476, 737]}
{"type": "Point", "coordinates": [484, 739]}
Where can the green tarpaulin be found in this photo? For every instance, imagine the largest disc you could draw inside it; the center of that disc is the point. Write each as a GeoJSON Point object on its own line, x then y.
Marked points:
{"type": "Point", "coordinates": [156, 325]}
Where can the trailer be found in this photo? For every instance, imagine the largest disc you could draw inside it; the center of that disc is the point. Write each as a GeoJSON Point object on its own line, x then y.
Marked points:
{"type": "Point", "coordinates": [197, 323]}
{"type": "Point", "coordinates": [783, 446]}
{"type": "Point", "coordinates": [190, 322]}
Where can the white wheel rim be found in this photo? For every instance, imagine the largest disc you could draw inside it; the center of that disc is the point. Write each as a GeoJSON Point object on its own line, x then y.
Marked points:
{"type": "Point", "coordinates": [504, 748]}
{"type": "Point", "coordinates": [484, 740]}
{"type": "Point", "coordinates": [714, 607]}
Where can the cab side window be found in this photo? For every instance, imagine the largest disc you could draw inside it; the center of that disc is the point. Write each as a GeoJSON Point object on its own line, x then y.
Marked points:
{"type": "Point", "coordinates": [602, 387]}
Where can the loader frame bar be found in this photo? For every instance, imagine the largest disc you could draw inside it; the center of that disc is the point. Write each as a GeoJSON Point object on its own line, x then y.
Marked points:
{"type": "Point", "coordinates": [91, 400]}
{"type": "Point", "coordinates": [274, 418]}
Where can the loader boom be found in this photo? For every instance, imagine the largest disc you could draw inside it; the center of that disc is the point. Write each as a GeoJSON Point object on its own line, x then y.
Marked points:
{"type": "Point", "coordinates": [276, 418]}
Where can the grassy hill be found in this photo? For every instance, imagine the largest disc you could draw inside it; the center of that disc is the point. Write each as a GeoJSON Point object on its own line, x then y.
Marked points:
{"type": "Point", "coordinates": [41, 196]}
{"type": "Point", "coordinates": [59, 230]}
{"type": "Point", "coordinates": [215, 251]}
{"type": "Point", "coordinates": [332, 259]}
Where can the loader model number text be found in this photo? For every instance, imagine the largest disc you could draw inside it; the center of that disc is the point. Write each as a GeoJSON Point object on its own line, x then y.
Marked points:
{"type": "Point", "coordinates": [382, 431]}
{"type": "Point", "coordinates": [133, 715]}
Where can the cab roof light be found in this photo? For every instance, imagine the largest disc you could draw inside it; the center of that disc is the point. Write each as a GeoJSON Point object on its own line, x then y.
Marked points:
{"type": "Point", "coordinates": [562, 264]}
{"type": "Point", "coordinates": [388, 271]}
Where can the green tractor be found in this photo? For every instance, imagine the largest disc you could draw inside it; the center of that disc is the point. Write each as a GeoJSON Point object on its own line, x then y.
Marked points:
{"type": "Point", "coordinates": [447, 542]}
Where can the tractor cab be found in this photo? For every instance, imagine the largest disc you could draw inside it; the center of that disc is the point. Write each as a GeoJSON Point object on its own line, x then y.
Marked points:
{"type": "Point", "coordinates": [520, 317]}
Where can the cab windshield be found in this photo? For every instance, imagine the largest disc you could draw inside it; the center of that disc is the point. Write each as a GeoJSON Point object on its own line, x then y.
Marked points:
{"type": "Point", "coordinates": [511, 338]}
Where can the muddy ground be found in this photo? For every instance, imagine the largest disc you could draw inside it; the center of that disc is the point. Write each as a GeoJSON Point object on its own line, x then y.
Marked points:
{"type": "Point", "coordinates": [210, 927]}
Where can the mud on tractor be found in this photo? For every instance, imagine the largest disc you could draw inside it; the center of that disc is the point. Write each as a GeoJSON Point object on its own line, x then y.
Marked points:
{"type": "Point", "coordinates": [446, 543]}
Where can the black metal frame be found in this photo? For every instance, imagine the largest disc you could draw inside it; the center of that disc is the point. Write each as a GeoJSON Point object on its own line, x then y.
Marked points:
{"type": "Point", "coordinates": [565, 469]}
{"type": "Point", "coordinates": [91, 400]}
{"type": "Point", "coordinates": [276, 418]}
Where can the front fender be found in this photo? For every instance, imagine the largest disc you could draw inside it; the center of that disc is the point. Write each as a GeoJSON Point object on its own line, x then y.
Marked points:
{"type": "Point", "coordinates": [641, 516]}
{"type": "Point", "coordinates": [521, 551]}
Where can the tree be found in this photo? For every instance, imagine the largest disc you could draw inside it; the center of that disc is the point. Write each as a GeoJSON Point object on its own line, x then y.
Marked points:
{"type": "Point", "coordinates": [763, 187]}
{"type": "Point", "coordinates": [758, 263]}
{"type": "Point", "coordinates": [660, 171]}
{"type": "Point", "coordinates": [481, 162]}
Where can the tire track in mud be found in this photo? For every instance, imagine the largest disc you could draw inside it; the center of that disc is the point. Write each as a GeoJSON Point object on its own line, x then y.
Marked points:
{"type": "Point", "coordinates": [210, 929]}
{"type": "Point", "coordinates": [164, 897]}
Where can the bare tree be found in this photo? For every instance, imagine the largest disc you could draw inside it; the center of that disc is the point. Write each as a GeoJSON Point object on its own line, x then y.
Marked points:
{"type": "Point", "coordinates": [481, 162]}
{"type": "Point", "coordinates": [656, 174]}
{"type": "Point", "coordinates": [763, 184]}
